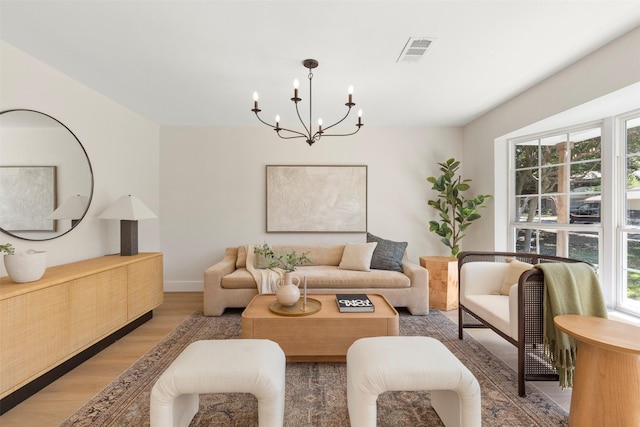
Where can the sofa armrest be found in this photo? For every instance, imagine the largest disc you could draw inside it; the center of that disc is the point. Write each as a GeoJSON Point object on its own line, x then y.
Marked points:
{"type": "Point", "coordinates": [513, 312]}
{"type": "Point", "coordinates": [213, 275]}
{"type": "Point", "coordinates": [418, 275]}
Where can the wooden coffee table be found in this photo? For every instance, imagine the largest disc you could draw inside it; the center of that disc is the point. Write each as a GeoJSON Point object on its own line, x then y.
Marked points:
{"type": "Point", "coordinates": [324, 336]}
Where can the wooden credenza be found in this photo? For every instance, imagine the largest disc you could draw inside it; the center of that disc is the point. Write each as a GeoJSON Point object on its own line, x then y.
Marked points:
{"type": "Point", "coordinates": [75, 310]}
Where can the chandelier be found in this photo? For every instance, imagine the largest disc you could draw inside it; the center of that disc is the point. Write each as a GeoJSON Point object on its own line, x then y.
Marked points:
{"type": "Point", "coordinates": [310, 137]}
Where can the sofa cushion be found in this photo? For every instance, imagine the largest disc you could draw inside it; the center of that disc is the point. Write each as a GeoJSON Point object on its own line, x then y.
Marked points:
{"type": "Point", "coordinates": [388, 254]}
{"type": "Point", "coordinates": [516, 268]}
{"type": "Point", "coordinates": [494, 309]}
{"type": "Point", "coordinates": [319, 255]}
{"type": "Point", "coordinates": [326, 277]}
{"type": "Point", "coordinates": [357, 256]}
{"type": "Point", "coordinates": [331, 277]}
{"type": "Point", "coordinates": [481, 278]}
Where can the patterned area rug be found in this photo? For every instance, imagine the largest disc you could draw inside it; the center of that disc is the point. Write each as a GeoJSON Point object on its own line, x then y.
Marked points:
{"type": "Point", "coordinates": [316, 392]}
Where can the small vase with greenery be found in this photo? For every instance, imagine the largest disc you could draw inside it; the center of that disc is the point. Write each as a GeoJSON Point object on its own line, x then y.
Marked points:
{"type": "Point", "coordinates": [286, 261]}
{"type": "Point", "coordinates": [456, 212]}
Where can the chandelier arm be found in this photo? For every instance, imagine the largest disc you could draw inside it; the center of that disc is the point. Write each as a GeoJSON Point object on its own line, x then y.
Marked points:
{"type": "Point", "coordinates": [307, 129]}
{"type": "Point", "coordinates": [300, 134]}
{"type": "Point", "coordinates": [278, 129]}
{"type": "Point", "coordinates": [263, 122]}
{"type": "Point", "coordinates": [342, 134]}
{"type": "Point", "coordinates": [338, 122]}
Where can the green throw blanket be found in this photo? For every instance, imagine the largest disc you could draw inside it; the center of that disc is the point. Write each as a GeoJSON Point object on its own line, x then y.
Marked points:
{"type": "Point", "coordinates": [570, 288]}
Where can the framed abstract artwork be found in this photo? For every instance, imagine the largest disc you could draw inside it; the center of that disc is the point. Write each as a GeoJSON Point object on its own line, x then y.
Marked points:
{"type": "Point", "coordinates": [316, 198]}
{"type": "Point", "coordinates": [27, 197]}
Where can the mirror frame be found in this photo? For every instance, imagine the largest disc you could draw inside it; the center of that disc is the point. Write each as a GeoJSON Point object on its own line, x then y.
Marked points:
{"type": "Point", "coordinates": [91, 177]}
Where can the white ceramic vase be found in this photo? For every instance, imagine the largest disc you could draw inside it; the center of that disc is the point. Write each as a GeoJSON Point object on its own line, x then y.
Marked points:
{"type": "Point", "coordinates": [25, 267]}
{"type": "Point", "coordinates": [287, 292]}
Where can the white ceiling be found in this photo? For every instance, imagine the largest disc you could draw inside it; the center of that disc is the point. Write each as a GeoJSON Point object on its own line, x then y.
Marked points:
{"type": "Point", "coordinates": [187, 62]}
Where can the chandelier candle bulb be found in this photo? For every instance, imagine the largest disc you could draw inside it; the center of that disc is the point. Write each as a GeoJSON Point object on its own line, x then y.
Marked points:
{"type": "Point", "coordinates": [296, 83]}
{"type": "Point", "coordinates": [350, 95]}
{"type": "Point", "coordinates": [360, 117]}
{"type": "Point", "coordinates": [255, 100]}
{"type": "Point", "coordinates": [277, 122]}
{"type": "Point", "coordinates": [319, 125]}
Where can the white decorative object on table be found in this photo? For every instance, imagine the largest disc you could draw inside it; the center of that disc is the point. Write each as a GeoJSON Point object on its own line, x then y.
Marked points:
{"type": "Point", "coordinates": [287, 292]}
{"type": "Point", "coordinates": [27, 266]}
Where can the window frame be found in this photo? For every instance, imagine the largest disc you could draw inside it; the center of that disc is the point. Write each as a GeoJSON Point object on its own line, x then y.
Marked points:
{"type": "Point", "coordinates": [613, 228]}
{"type": "Point", "coordinates": [622, 229]}
{"type": "Point", "coordinates": [512, 143]}
{"type": "Point", "coordinates": [514, 226]}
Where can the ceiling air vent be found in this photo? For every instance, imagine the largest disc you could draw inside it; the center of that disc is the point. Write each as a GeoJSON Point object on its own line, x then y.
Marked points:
{"type": "Point", "coordinates": [414, 49]}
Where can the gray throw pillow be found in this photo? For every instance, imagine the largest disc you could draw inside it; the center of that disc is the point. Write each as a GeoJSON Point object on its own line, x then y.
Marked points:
{"type": "Point", "coordinates": [388, 254]}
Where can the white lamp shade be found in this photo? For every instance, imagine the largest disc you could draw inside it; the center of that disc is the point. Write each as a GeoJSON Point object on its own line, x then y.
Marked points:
{"type": "Point", "coordinates": [129, 208]}
{"type": "Point", "coordinates": [72, 208]}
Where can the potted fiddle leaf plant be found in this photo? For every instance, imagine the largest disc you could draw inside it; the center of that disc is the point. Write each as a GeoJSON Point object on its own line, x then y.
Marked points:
{"type": "Point", "coordinates": [455, 210]}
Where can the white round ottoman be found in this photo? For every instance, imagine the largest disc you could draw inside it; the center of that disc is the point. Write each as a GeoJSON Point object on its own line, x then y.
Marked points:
{"type": "Point", "coordinates": [221, 366]}
{"type": "Point", "coordinates": [379, 364]}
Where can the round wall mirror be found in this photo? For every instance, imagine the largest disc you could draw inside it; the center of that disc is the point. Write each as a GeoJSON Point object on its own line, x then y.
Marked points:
{"type": "Point", "coordinates": [46, 180]}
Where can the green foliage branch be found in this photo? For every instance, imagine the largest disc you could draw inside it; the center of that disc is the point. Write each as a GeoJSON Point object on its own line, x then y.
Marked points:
{"type": "Point", "coordinates": [287, 261]}
{"type": "Point", "coordinates": [7, 248]}
{"type": "Point", "coordinates": [456, 212]}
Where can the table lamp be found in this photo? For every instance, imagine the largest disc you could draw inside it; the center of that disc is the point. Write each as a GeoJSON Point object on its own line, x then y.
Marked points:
{"type": "Point", "coordinates": [128, 209]}
{"type": "Point", "coordinates": [73, 208]}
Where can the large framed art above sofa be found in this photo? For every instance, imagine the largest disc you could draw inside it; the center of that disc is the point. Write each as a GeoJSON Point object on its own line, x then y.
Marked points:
{"type": "Point", "coordinates": [316, 199]}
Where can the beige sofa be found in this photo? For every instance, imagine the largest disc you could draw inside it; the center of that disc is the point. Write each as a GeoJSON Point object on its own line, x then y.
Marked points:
{"type": "Point", "coordinates": [228, 283]}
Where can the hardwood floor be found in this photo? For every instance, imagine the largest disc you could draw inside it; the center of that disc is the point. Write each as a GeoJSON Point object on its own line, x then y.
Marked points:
{"type": "Point", "coordinates": [56, 402]}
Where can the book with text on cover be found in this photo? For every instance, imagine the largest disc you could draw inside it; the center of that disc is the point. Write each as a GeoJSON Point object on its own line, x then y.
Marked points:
{"type": "Point", "coordinates": [354, 303]}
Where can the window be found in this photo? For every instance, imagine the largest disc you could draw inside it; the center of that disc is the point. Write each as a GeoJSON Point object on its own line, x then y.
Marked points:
{"type": "Point", "coordinates": [557, 185]}
{"type": "Point", "coordinates": [629, 232]}
{"type": "Point", "coordinates": [567, 198]}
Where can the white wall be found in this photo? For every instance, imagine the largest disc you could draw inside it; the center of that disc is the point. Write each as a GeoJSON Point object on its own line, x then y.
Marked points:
{"type": "Point", "coordinates": [122, 148]}
{"type": "Point", "coordinates": [207, 185]}
{"type": "Point", "coordinates": [613, 67]}
{"type": "Point", "coordinates": [212, 188]}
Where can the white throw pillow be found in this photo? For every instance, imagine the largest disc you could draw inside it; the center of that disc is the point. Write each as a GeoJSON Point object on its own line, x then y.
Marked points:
{"type": "Point", "coordinates": [357, 256]}
{"type": "Point", "coordinates": [516, 268]}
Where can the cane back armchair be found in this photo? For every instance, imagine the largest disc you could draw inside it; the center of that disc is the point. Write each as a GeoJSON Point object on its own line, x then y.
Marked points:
{"type": "Point", "coordinates": [526, 299]}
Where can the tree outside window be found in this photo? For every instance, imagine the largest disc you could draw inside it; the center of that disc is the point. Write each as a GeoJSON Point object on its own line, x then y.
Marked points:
{"type": "Point", "coordinates": [555, 176]}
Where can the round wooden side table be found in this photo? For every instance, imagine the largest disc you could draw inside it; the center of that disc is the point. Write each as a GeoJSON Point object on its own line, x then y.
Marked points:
{"type": "Point", "coordinates": [606, 385]}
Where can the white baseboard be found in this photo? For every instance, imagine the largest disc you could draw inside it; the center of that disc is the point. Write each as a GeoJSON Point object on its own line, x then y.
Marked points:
{"type": "Point", "coordinates": [183, 286]}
